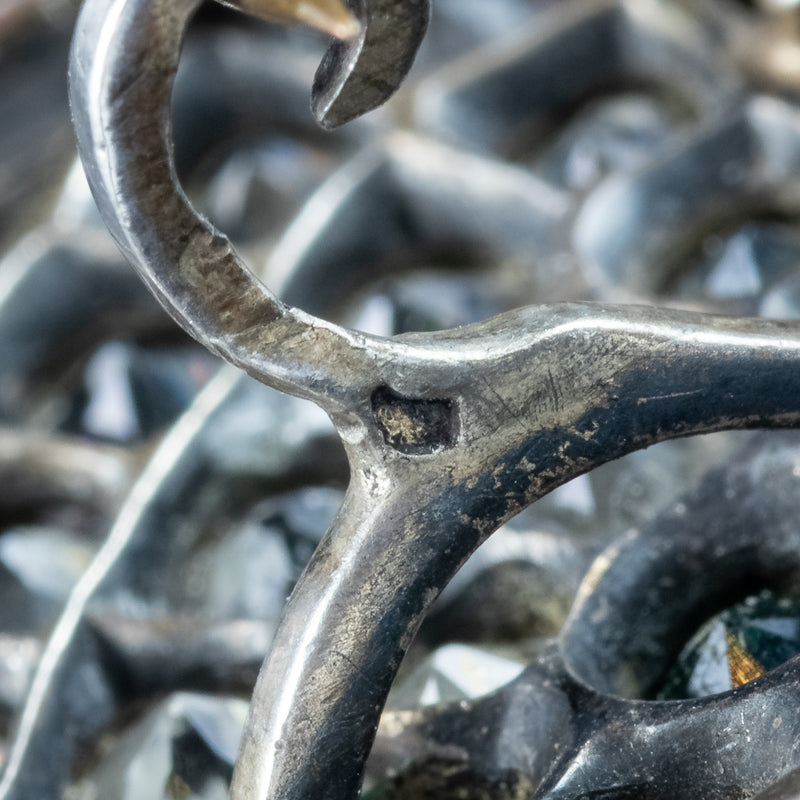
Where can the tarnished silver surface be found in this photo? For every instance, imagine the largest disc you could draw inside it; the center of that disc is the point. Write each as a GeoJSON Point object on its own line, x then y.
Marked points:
{"type": "Point", "coordinates": [448, 434]}
{"type": "Point", "coordinates": [631, 182]}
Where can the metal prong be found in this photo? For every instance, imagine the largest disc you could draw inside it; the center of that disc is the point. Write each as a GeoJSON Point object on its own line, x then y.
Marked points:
{"type": "Point", "coordinates": [364, 72]}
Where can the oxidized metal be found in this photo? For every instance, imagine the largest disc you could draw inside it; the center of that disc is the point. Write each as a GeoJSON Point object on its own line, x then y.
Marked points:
{"type": "Point", "coordinates": [411, 234]}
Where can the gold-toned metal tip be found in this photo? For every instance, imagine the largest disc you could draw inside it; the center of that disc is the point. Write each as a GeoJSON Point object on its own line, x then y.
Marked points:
{"type": "Point", "coordinates": [330, 16]}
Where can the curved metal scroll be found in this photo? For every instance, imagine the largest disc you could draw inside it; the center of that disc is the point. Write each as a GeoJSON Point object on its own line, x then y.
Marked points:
{"type": "Point", "coordinates": [359, 74]}
{"type": "Point", "coordinates": [448, 434]}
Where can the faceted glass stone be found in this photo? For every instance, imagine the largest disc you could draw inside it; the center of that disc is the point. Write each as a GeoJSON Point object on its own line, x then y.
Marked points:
{"type": "Point", "coordinates": [183, 749]}
{"type": "Point", "coordinates": [257, 188]}
{"type": "Point", "coordinates": [433, 298]}
{"type": "Point", "coordinates": [39, 566]}
{"type": "Point", "coordinates": [248, 572]}
{"type": "Point", "coordinates": [130, 391]}
{"type": "Point", "coordinates": [452, 673]}
{"type": "Point", "coordinates": [736, 646]}
{"type": "Point", "coordinates": [613, 134]}
{"type": "Point", "coordinates": [738, 270]}
{"type": "Point", "coordinates": [782, 301]}
{"type": "Point", "coordinates": [19, 656]}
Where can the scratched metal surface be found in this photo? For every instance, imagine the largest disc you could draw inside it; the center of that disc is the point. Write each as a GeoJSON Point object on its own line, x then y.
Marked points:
{"type": "Point", "coordinates": [538, 153]}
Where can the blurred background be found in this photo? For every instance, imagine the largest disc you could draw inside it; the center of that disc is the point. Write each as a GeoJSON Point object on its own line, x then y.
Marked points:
{"type": "Point", "coordinates": [540, 151]}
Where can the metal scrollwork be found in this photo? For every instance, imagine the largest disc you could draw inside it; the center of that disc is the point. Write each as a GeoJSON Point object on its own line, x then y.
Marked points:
{"type": "Point", "coordinates": [570, 243]}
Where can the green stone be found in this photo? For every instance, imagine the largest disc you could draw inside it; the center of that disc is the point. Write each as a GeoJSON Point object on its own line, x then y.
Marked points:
{"type": "Point", "coordinates": [735, 647]}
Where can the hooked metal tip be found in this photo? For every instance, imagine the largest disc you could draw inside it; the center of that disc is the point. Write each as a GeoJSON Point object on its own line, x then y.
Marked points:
{"type": "Point", "coordinates": [364, 72]}
{"type": "Point", "coordinates": [330, 16]}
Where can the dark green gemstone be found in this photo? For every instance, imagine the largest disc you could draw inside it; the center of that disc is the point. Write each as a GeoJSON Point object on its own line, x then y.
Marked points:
{"type": "Point", "coordinates": [735, 647]}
